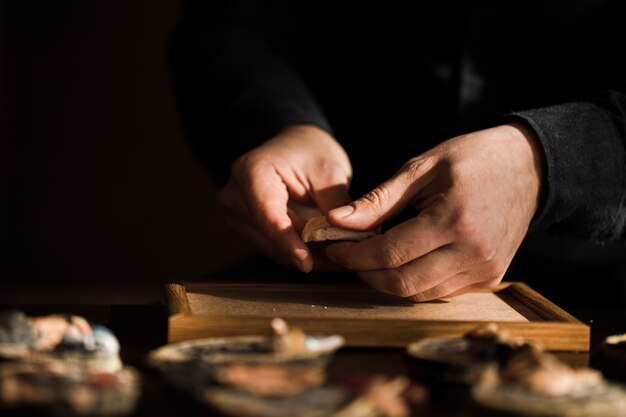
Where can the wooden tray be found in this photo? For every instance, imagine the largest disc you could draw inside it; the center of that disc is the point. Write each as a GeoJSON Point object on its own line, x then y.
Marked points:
{"type": "Point", "coordinates": [365, 317]}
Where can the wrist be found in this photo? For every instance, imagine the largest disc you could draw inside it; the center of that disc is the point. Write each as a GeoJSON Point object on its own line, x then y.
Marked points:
{"type": "Point", "coordinates": [534, 157]}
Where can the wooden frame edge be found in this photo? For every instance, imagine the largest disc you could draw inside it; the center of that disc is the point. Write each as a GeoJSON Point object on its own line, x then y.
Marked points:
{"type": "Point", "coordinates": [573, 334]}
{"type": "Point", "coordinates": [539, 304]}
{"type": "Point", "coordinates": [176, 301]}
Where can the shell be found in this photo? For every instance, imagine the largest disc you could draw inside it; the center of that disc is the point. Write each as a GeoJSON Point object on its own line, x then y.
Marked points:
{"type": "Point", "coordinates": [461, 359]}
{"type": "Point", "coordinates": [33, 339]}
{"type": "Point", "coordinates": [231, 361]}
{"type": "Point", "coordinates": [318, 229]}
{"type": "Point", "coordinates": [62, 389]}
{"type": "Point", "coordinates": [603, 400]}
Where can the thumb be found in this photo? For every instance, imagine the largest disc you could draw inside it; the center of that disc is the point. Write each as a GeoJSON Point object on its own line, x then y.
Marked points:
{"type": "Point", "coordinates": [377, 206]}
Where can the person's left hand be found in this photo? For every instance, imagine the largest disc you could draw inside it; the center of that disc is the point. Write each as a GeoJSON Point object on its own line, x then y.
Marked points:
{"type": "Point", "coordinates": [274, 188]}
{"type": "Point", "coordinates": [476, 195]}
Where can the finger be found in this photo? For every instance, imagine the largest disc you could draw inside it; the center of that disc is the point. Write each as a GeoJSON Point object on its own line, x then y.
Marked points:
{"type": "Point", "coordinates": [232, 199]}
{"type": "Point", "coordinates": [420, 275]}
{"type": "Point", "coordinates": [458, 285]}
{"type": "Point", "coordinates": [266, 198]}
{"type": "Point", "coordinates": [298, 221]}
{"type": "Point", "coordinates": [484, 285]}
{"type": "Point", "coordinates": [380, 204]}
{"type": "Point", "coordinates": [482, 275]}
{"type": "Point", "coordinates": [257, 242]}
{"type": "Point", "coordinates": [245, 227]}
{"type": "Point", "coordinates": [396, 247]}
{"type": "Point", "coordinates": [321, 261]}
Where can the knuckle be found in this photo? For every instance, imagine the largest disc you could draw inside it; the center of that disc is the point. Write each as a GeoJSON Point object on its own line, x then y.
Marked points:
{"type": "Point", "coordinates": [469, 229]}
{"type": "Point", "coordinates": [486, 252]}
{"type": "Point", "coordinates": [419, 297]}
{"type": "Point", "coordinates": [377, 196]}
{"type": "Point", "coordinates": [464, 223]}
{"type": "Point", "coordinates": [496, 268]}
{"type": "Point", "coordinates": [483, 251]}
{"type": "Point", "coordinates": [435, 293]}
{"type": "Point", "coordinates": [413, 167]}
{"type": "Point", "coordinates": [490, 284]}
{"type": "Point", "coordinates": [439, 291]}
{"type": "Point", "coordinates": [400, 286]}
{"type": "Point", "coordinates": [392, 256]}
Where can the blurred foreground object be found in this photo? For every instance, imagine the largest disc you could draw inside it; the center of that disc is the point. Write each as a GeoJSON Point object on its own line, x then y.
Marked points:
{"type": "Point", "coordinates": [61, 365]}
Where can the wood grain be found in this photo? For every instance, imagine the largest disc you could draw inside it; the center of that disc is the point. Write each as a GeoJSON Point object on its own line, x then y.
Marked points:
{"type": "Point", "coordinates": [290, 300]}
{"type": "Point", "coordinates": [176, 299]}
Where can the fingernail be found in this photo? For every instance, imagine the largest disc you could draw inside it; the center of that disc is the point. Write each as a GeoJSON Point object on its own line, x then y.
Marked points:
{"type": "Point", "coordinates": [342, 212]}
{"type": "Point", "coordinates": [300, 255]}
{"type": "Point", "coordinates": [299, 259]}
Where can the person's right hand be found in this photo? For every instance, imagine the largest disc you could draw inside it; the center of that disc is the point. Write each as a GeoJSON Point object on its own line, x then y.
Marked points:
{"type": "Point", "coordinates": [475, 196]}
{"type": "Point", "coordinates": [302, 165]}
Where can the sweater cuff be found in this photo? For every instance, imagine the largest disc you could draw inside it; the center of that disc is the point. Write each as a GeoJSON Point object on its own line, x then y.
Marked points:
{"type": "Point", "coordinates": [585, 164]}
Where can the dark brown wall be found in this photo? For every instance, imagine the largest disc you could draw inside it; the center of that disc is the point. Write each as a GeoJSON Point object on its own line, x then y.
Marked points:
{"type": "Point", "coordinates": [104, 197]}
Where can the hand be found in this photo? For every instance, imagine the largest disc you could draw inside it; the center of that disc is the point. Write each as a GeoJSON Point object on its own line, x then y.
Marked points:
{"type": "Point", "coordinates": [303, 166]}
{"type": "Point", "coordinates": [475, 194]}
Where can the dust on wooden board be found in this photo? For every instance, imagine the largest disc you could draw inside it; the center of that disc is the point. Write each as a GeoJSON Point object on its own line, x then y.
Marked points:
{"type": "Point", "coordinates": [299, 300]}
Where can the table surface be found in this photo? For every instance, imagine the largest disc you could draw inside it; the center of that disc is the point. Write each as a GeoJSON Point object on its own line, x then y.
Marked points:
{"type": "Point", "coordinates": [141, 328]}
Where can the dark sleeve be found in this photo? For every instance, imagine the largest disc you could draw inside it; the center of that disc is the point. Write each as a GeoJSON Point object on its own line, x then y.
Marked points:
{"type": "Point", "coordinates": [234, 86]}
{"type": "Point", "coordinates": [584, 143]}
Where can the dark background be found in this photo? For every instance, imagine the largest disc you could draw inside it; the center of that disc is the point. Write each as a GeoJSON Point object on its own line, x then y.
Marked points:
{"type": "Point", "coordinates": [101, 196]}
{"type": "Point", "coordinates": [100, 193]}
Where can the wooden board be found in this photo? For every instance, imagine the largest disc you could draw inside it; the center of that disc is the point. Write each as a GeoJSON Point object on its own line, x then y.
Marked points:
{"type": "Point", "coordinates": [365, 317]}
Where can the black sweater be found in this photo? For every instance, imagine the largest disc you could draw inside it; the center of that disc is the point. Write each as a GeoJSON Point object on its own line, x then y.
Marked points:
{"type": "Point", "coordinates": [406, 77]}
